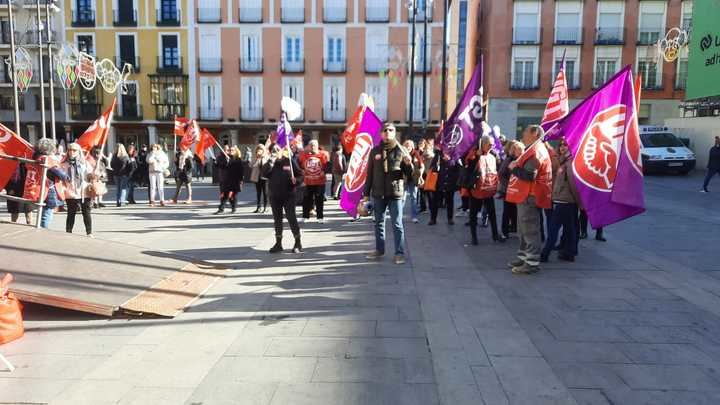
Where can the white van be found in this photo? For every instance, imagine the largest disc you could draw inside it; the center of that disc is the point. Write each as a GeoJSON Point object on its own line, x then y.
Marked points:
{"type": "Point", "coordinates": [662, 151]}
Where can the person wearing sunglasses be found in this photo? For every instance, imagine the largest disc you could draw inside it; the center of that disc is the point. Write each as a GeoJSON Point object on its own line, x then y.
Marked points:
{"type": "Point", "coordinates": [76, 195]}
{"type": "Point", "coordinates": [389, 168]}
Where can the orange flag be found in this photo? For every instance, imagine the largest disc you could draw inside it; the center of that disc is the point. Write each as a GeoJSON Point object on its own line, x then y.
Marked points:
{"type": "Point", "coordinates": [181, 124]}
{"type": "Point", "coordinates": [13, 145]}
{"type": "Point", "coordinates": [97, 133]}
{"type": "Point", "coordinates": [347, 139]}
{"type": "Point", "coordinates": [191, 135]}
{"type": "Point", "coordinates": [205, 141]}
{"type": "Point", "coordinates": [638, 86]}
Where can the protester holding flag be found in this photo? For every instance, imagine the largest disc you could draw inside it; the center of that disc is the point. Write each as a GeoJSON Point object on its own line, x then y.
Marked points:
{"type": "Point", "coordinates": [257, 177]}
{"type": "Point", "coordinates": [427, 151]}
{"type": "Point", "coordinates": [530, 188]}
{"type": "Point", "coordinates": [284, 175]}
{"type": "Point", "coordinates": [483, 168]}
{"type": "Point", "coordinates": [230, 175]}
{"type": "Point", "coordinates": [388, 168]}
{"type": "Point", "coordinates": [45, 152]}
{"type": "Point", "coordinates": [183, 175]}
{"type": "Point", "coordinates": [313, 163]}
{"type": "Point", "coordinates": [339, 165]}
{"type": "Point", "coordinates": [448, 170]}
{"type": "Point", "coordinates": [565, 209]}
{"type": "Point", "coordinates": [122, 167]}
{"type": "Point", "coordinates": [76, 197]}
{"type": "Point", "coordinates": [158, 164]}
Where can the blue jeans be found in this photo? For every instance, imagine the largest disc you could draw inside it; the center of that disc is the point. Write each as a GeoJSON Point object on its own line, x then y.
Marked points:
{"type": "Point", "coordinates": [709, 175]}
{"type": "Point", "coordinates": [380, 205]}
{"type": "Point", "coordinates": [563, 216]}
{"type": "Point", "coordinates": [47, 217]}
{"type": "Point", "coordinates": [122, 188]}
{"type": "Point", "coordinates": [411, 191]}
{"type": "Point", "coordinates": [131, 190]}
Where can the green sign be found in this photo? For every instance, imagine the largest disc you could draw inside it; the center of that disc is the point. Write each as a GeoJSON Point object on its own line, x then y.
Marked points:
{"type": "Point", "coordinates": [704, 51]}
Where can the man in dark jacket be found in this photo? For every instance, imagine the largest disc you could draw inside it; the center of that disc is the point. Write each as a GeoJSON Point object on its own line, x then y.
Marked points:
{"type": "Point", "coordinates": [713, 166]}
{"type": "Point", "coordinates": [389, 166]}
{"type": "Point", "coordinates": [448, 175]}
{"type": "Point", "coordinates": [283, 176]}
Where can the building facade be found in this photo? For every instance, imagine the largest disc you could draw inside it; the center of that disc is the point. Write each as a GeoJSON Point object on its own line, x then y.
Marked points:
{"type": "Point", "coordinates": [227, 63]}
{"type": "Point", "coordinates": [523, 43]}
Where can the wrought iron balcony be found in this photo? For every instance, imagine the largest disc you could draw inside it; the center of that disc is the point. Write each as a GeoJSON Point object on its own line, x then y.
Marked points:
{"type": "Point", "coordinates": [250, 14]}
{"type": "Point", "coordinates": [609, 36]}
{"type": "Point", "coordinates": [168, 18]}
{"type": "Point", "coordinates": [209, 15]}
{"type": "Point", "coordinates": [330, 115]}
{"type": "Point", "coordinates": [125, 19]}
{"type": "Point", "coordinates": [293, 15]}
{"type": "Point", "coordinates": [568, 36]}
{"type": "Point", "coordinates": [169, 65]}
{"type": "Point", "coordinates": [210, 114]}
{"type": "Point", "coordinates": [133, 61]}
{"type": "Point", "coordinates": [252, 114]}
{"type": "Point", "coordinates": [84, 111]}
{"type": "Point", "coordinates": [129, 113]}
{"type": "Point", "coordinates": [168, 112]}
{"type": "Point", "coordinates": [83, 18]}
{"type": "Point", "coordinates": [526, 36]}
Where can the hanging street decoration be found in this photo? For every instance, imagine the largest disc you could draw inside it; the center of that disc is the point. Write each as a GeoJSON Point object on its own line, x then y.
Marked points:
{"type": "Point", "coordinates": [23, 69]}
{"type": "Point", "coordinates": [87, 73]}
{"type": "Point", "coordinates": [67, 66]}
{"type": "Point", "coordinates": [108, 75]}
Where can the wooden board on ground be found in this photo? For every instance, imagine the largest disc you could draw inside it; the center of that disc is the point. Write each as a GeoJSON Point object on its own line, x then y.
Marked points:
{"type": "Point", "coordinates": [97, 276]}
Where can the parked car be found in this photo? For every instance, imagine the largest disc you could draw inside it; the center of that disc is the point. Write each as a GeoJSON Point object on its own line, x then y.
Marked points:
{"type": "Point", "coordinates": [664, 152]}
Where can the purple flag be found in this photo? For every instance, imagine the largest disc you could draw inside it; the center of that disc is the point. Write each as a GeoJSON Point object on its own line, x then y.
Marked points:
{"type": "Point", "coordinates": [463, 128]}
{"type": "Point", "coordinates": [284, 131]}
{"type": "Point", "coordinates": [368, 136]}
{"type": "Point", "coordinates": [603, 135]}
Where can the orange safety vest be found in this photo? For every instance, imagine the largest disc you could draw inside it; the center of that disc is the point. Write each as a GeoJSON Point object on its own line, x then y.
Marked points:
{"type": "Point", "coordinates": [519, 190]}
{"type": "Point", "coordinates": [487, 181]}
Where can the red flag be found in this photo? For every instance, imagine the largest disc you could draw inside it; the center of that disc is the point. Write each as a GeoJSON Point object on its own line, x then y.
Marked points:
{"type": "Point", "coordinates": [298, 140]}
{"type": "Point", "coordinates": [557, 106]}
{"type": "Point", "coordinates": [347, 139]}
{"type": "Point", "coordinates": [13, 145]}
{"type": "Point", "coordinates": [638, 86]}
{"type": "Point", "coordinates": [205, 142]}
{"type": "Point", "coordinates": [191, 135]}
{"type": "Point", "coordinates": [181, 124]}
{"type": "Point", "coordinates": [97, 133]}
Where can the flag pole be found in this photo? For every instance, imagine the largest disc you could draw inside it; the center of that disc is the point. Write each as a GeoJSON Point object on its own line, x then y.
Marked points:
{"type": "Point", "coordinates": [221, 149]}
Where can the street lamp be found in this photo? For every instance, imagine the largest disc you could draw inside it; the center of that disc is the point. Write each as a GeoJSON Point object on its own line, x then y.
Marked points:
{"type": "Point", "coordinates": [413, 9]}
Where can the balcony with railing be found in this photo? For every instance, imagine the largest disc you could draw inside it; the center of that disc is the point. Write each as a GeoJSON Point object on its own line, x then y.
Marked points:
{"type": "Point", "coordinates": [84, 111]}
{"type": "Point", "coordinates": [417, 114]}
{"type": "Point", "coordinates": [421, 66]}
{"type": "Point", "coordinates": [210, 65]}
{"type": "Point", "coordinates": [524, 81]}
{"type": "Point", "coordinates": [169, 65]}
{"type": "Point", "coordinates": [376, 65]}
{"type": "Point", "coordinates": [83, 18]}
{"type": "Point", "coordinates": [293, 65]}
{"type": "Point", "coordinates": [208, 15]}
{"type": "Point", "coordinates": [251, 114]}
{"type": "Point", "coordinates": [171, 18]}
{"type": "Point", "coordinates": [125, 18]}
{"type": "Point", "coordinates": [609, 36]}
{"type": "Point", "coordinates": [334, 14]}
{"type": "Point", "coordinates": [649, 36]}
{"type": "Point", "coordinates": [133, 61]}
{"type": "Point", "coordinates": [250, 14]}
{"type": "Point", "coordinates": [168, 112]}
{"type": "Point", "coordinates": [377, 13]}
{"type": "Point", "coordinates": [131, 112]}
{"type": "Point", "coordinates": [334, 65]}
{"type": "Point", "coordinates": [293, 15]}
{"type": "Point", "coordinates": [333, 115]}
{"type": "Point", "coordinates": [210, 113]}
{"type": "Point", "coordinates": [251, 65]}
{"type": "Point", "coordinates": [568, 36]}
{"type": "Point", "coordinates": [526, 36]}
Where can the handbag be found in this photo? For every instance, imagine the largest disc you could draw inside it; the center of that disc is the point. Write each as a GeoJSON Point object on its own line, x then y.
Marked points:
{"type": "Point", "coordinates": [166, 173]}
{"type": "Point", "coordinates": [431, 181]}
{"type": "Point", "coordinates": [11, 322]}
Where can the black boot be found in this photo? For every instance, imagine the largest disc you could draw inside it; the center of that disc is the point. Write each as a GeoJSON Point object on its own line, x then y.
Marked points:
{"type": "Point", "coordinates": [257, 210]}
{"type": "Point", "coordinates": [221, 208]}
{"type": "Point", "coordinates": [473, 235]}
{"type": "Point", "coordinates": [297, 248]}
{"type": "Point", "coordinates": [599, 235]}
{"type": "Point", "coordinates": [277, 248]}
{"type": "Point", "coordinates": [233, 205]}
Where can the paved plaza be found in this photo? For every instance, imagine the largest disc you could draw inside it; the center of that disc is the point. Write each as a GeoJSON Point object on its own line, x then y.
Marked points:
{"type": "Point", "coordinates": [633, 321]}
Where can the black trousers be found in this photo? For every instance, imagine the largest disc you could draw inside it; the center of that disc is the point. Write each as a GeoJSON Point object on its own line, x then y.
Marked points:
{"type": "Point", "coordinates": [436, 201]}
{"type": "Point", "coordinates": [509, 218]}
{"type": "Point", "coordinates": [287, 205]}
{"type": "Point", "coordinates": [475, 206]}
{"type": "Point", "coordinates": [224, 197]}
{"type": "Point", "coordinates": [261, 192]}
{"type": "Point", "coordinates": [584, 226]}
{"type": "Point", "coordinates": [314, 195]}
{"type": "Point", "coordinates": [424, 199]}
{"type": "Point", "coordinates": [465, 203]}
{"type": "Point", "coordinates": [73, 205]}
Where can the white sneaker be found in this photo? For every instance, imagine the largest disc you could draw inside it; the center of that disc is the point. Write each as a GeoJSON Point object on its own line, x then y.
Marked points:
{"type": "Point", "coordinates": [321, 220]}
{"type": "Point", "coordinates": [704, 191]}
{"type": "Point", "coordinates": [415, 220]}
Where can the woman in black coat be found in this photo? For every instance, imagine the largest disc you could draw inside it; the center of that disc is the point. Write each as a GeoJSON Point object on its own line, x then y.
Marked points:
{"type": "Point", "coordinates": [447, 183]}
{"type": "Point", "coordinates": [230, 176]}
{"type": "Point", "coordinates": [183, 175]}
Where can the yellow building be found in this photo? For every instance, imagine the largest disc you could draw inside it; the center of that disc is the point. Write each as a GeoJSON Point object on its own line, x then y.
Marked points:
{"type": "Point", "coordinates": [151, 36]}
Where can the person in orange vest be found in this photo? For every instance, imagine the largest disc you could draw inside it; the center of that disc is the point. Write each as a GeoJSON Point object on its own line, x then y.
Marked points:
{"type": "Point", "coordinates": [530, 187]}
